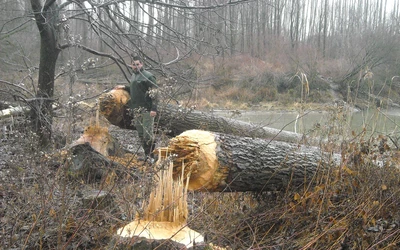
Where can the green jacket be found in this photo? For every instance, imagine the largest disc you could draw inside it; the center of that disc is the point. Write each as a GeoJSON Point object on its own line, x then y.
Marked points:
{"type": "Point", "coordinates": [139, 87]}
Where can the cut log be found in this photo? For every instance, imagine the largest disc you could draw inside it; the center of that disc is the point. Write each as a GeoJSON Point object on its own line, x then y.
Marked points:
{"type": "Point", "coordinates": [177, 120]}
{"type": "Point", "coordinates": [218, 162]}
{"type": "Point", "coordinates": [113, 106]}
{"type": "Point", "coordinates": [222, 162]}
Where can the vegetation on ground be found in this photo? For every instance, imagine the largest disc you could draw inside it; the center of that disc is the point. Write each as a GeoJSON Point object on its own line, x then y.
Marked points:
{"type": "Point", "coordinates": [232, 55]}
{"type": "Point", "coordinates": [351, 206]}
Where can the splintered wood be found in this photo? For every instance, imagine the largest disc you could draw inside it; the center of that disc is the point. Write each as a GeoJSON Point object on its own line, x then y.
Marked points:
{"type": "Point", "coordinates": [111, 105]}
{"type": "Point", "coordinates": [166, 214]}
{"type": "Point", "coordinates": [196, 151]}
{"type": "Point", "coordinates": [168, 202]}
{"type": "Point", "coordinates": [98, 138]}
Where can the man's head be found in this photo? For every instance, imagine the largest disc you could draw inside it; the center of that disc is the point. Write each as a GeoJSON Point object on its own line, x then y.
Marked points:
{"type": "Point", "coordinates": [136, 64]}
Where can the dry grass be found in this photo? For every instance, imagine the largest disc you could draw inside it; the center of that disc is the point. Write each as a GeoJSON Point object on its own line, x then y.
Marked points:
{"type": "Point", "coordinates": [353, 206]}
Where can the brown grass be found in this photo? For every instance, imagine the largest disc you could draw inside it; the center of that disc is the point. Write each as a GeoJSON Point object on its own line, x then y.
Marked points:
{"type": "Point", "coordinates": [352, 206]}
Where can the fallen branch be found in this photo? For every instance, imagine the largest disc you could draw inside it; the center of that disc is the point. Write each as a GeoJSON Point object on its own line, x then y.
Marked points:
{"type": "Point", "coordinates": [5, 113]}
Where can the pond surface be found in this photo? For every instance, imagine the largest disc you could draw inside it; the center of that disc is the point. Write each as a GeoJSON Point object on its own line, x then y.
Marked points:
{"type": "Point", "coordinates": [375, 121]}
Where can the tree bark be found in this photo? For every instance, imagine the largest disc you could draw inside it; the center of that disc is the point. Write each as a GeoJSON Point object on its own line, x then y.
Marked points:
{"type": "Point", "coordinates": [46, 17]}
{"type": "Point", "coordinates": [212, 161]}
{"type": "Point", "coordinates": [176, 120]}
{"type": "Point", "coordinates": [86, 164]}
{"type": "Point", "coordinates": [222, 162]}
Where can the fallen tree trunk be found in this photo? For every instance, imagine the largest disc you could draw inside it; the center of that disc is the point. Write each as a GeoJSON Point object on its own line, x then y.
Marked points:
{"type": "Point", "coordinates": [12, 111]}
{"type": "Point", "coordinates": [222, 162]}
{"type": "Point", "coordinates": [177, 120]}
{"type": "Point", "coordinates": [213, 161]}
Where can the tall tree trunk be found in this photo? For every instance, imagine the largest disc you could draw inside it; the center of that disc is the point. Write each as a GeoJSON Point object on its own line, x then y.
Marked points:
{"type": "Point", "coordinates": [325, 29]}
{"type": "Point", "coordinates": [46, 17]}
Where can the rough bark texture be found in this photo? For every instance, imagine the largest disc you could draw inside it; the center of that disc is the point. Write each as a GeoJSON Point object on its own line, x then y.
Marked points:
{"type": "Point", "coordinates": [176, 120]}
{"type": "Point", "coordinates": [263, 165]}
{"type": "Point", "coordinates": [179, 120]}
{"type": "Point", "coordinates": [47, 21]}
{"type": "Point", "coordinates": [89, 165]}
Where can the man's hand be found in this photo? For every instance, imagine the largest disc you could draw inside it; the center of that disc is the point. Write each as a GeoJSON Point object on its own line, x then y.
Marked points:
{"type": "Point", "coordinates": [119, 87]}
{"type": "Point", "coordinates": [153, 113]}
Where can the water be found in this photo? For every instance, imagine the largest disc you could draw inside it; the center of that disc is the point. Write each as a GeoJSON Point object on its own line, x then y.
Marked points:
{"type": "Point", "coordinates": [373, 120]}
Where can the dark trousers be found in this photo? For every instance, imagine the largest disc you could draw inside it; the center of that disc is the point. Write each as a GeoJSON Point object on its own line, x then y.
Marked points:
{"type": "Point", "coordinates": [144, 124]}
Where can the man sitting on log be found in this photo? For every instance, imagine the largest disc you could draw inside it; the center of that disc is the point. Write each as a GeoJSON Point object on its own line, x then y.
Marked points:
{"type": "Point", "coordinates": [143, 104]}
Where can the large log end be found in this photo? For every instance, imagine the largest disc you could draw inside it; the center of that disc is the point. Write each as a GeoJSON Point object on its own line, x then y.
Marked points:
{"type": "Point", "coordinates": [113, 106]}
{"type": "Point", "coordinates": [194, 157]}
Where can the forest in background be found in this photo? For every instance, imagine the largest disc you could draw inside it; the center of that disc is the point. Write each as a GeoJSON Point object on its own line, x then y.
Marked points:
{"type": "Point", "coordinates": [271, 47]}
{"type": "Point", "coordinates": [243, 51]}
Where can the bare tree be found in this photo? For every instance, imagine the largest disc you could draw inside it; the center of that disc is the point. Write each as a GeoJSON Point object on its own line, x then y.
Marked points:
{"type": "Point", "coordinates": [167, 32]}
{"type": "Point", "coordinates": [120, 33]}
{"type": "Point", "coordinates": [47, 20]}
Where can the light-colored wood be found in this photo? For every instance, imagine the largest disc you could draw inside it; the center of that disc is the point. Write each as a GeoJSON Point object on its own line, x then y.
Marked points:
{"type": "Point", "coordinates": [165, 216]}
{"type": "Point", "coordinates": [161, 230]}
{"type": "Point", "coordinates": [12, 111]}
{"type": "Point", "coordinates": [98, 138]}
{"type": "Point", "coordinates": [196, 151]}
{"type": "Point", "coordinates": [112, 105]}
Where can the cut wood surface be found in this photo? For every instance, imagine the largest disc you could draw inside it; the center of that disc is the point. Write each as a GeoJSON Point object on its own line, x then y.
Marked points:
{"type": "Point", "coordinates": [100, 139]}
{"type": "Point", "coordinates": [222, 162]}
{"type": "Point", "coordinates": [177, 120]}
{"type": "Point", "coordinates": [161, 230]}
{"type": "Point", "coordinates": [113, 106]}
{"type": "Point", "coordinates": [219, 162]}
{"type": "Point", "coordinates": [165, 216]}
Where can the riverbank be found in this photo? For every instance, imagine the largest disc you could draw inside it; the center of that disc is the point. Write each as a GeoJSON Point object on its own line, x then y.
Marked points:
{"type": "Point", "coordinates": [276, 106]}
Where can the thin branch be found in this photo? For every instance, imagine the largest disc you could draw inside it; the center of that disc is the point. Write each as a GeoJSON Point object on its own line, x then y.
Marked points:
{"type": "Point", "coordinates": [119, 62]}
{"type": "Point", "coordinates": [179, 6]}
{"type": "Point", "coordinates": [17, 86]}
{"type": "Point", "coordinates": [14, 30]}
{"type": "Point", "coordinates": [176, 59]}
